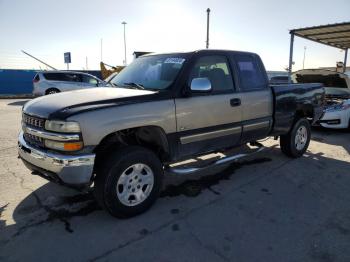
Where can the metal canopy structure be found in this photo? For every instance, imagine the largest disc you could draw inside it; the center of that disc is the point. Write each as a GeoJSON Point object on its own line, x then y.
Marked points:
{"type": "Point", "coordinates": [335, 35]}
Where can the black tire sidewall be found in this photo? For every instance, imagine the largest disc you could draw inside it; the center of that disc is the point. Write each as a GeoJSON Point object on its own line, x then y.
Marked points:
{"type": "Point", "coordinates": [116, 164]}
{"type": "Point", "coordinates": [49, 91]}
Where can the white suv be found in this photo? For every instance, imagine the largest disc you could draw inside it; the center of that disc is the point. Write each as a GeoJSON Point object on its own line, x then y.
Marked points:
{"type": "Point", "coordinates": [52, 82]}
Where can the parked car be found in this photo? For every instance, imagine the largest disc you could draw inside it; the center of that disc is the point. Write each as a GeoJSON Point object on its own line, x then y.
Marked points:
{"type": "Point", "coordinates": [337, 95]}
{"type": "Point", "coordinates": [51, 82]}
{"type": "Point", "coordinates": [337, 116]}
{"type": "Point", "coordinates": [164, 108]}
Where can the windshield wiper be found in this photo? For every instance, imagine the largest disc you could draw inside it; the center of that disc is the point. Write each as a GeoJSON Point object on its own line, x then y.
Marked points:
{"type": "Point", "coordinates": [135, 85]}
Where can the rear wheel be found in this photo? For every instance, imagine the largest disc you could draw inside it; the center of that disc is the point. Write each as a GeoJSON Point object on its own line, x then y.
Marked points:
{"type": "Point", "coordinates": [51, 91]}
{"type": "Point", "coordinates": [129, 181]}
{"type": "Point", "coordinates": [295, 143]}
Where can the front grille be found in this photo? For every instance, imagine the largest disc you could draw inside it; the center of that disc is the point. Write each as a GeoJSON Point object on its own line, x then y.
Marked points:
{"type": "Point", "coordinates": [37, 123]}
{"type": "Point", "coordinates": [33, 121]}
{"type": "Point", "coordinates": [33, 140]}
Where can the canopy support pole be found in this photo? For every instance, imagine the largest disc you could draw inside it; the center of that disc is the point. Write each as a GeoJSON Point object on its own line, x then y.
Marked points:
{"type": "Point", "coordinates": [345, 58]}
{"type": "Point", "coordinates": [290, 58]}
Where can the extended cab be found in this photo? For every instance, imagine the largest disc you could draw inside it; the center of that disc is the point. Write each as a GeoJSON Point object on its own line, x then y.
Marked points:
{"type": "Point", "coordinates": [163, 108]}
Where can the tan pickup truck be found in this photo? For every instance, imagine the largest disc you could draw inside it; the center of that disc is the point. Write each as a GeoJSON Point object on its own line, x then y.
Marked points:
{"type": "Point", "coordinates": [163, 108]}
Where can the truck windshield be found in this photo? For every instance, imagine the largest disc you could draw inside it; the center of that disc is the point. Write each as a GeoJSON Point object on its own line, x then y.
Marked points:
{"type": "Point", "coordinates": [156, 72]}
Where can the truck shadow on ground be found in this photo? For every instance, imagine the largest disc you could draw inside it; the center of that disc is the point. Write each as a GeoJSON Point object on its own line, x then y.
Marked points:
{"type": "Point", "coordinates": [63, 208]}
{"type": "Point", "coordinates": [330, 184]}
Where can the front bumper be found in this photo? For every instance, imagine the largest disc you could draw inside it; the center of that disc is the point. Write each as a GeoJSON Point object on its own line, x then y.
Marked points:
{"type": "Point", "coordinates": [67, 169]}
{"type": "Point", "coordinates": [336, 119]}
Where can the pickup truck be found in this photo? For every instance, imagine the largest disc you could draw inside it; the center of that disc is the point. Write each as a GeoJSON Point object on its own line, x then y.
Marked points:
{"type": "Point", "coordinates": [162, 108]}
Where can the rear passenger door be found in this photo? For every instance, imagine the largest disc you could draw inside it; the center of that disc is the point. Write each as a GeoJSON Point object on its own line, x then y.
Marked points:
{"type": "Point", "coordinates": [209, 121]}
{"type": "Point", "coordinates": [256, 96]}
{"type": "Point", "coordinates": [69, 81]}
{"type": "Point", "coordinates": [74, 81]}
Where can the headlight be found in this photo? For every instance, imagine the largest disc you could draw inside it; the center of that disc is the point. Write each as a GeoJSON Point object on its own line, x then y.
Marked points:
{"type": "Point", "coordinates": [62, 126]}
{"type": "Point", "coordinates": [64, 146]}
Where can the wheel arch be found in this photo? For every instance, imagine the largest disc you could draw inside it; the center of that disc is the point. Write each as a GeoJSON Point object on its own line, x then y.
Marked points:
{"type": "Point", "coordinates": [304, 111]}
{"type": "Point", "coordinates": [151, 137]}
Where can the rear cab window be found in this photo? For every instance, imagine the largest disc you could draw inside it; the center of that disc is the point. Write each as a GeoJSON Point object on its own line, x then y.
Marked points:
{"type": "Point", "coordinates": [251, 72]}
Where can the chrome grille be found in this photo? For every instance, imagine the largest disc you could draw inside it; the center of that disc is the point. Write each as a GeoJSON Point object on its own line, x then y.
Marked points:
{"type": "Point", "coordinates": [33, 140]}
{"type": "Point", "coordinates": [36, 122]}
{"type": "Point", "coordinates": [33, 121]}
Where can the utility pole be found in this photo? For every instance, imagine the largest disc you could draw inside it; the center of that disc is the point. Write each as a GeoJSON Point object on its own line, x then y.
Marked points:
{"type": "Point", "coordinates": [207, 42]}
{"type": "Point", "coordinates": [101, 50]}
{"type": "Point", "coordinates": [345, 58]}
{"type": "Point", "coordinates": [304, 56]}
{"type": "Point", "coordinates": [124, 23]}
{"type": "Point", "coordinates": [86, 63]}
{"type": "Point", "coordinates": [290, 65]}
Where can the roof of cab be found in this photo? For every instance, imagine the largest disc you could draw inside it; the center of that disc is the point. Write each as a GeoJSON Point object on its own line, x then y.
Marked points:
{"type": "Point", "coordinates": [210, 51]}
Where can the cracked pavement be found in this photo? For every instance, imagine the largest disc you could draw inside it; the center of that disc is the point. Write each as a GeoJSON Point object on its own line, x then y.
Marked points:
{"type": "Point", "coordinates": [265, 208]}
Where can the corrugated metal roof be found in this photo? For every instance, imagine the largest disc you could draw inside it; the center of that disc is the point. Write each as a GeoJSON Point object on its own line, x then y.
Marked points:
{"type": "Point", "coordinates": [336, 35]}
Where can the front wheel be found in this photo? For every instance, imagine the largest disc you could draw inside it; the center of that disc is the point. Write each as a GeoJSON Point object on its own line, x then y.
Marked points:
{"type": "Point", "coordinates": [129, 181]}
{"type": "Point", "coordinates": [295, 143]}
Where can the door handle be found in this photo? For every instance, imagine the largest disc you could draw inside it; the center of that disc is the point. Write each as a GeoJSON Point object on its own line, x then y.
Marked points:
{"type": "Point", "coordinates": [235, 102]}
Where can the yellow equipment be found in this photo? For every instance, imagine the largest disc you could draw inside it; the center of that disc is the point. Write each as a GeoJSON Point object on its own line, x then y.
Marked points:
{"type": "Point", "coordinates": [107, 72]}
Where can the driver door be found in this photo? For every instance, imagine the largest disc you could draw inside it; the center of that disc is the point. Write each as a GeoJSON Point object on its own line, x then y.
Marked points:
{"type": "Point", "coordinates": [212, 120]}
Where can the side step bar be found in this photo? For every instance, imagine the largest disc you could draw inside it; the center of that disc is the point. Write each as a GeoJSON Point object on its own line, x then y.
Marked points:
{"type": "Point", "coordinates": [221, 161]}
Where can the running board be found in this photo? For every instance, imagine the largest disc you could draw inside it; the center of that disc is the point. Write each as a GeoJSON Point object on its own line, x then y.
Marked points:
{"type": "Point", "coordinates": [221, 161]}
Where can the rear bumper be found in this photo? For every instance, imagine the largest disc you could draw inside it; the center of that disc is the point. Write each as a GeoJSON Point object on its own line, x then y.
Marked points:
{"type": "Point", "coordinates": [66, 169]}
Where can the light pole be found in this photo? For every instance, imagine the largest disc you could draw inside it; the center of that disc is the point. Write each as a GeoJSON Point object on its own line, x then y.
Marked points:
{"type": "Point", "coordinates": [304, 56]}
{"type": "Point", "coordinates": [124, 23]}
{"type": "Point", "coordinates": [101, 47]}
{"type": "Point", "coordinates": [207, 42]}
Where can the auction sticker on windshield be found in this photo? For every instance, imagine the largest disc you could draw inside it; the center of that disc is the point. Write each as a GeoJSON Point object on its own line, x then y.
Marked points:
{"type": "Point", "coordinates": [174, 60]}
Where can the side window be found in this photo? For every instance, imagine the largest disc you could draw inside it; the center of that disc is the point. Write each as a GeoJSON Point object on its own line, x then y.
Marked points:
{"type": "Point", "coordinates": [53, 76]}
{"type": "Point", "coordinates": [89, 80]}
{"type": "Point", "coordinates": [62, 77]}
{"type": "Point", "coordinates": [251, 75]}
{"type": "Point", "coordinates": [216, 69]}
{"type": "Point", "coordinates": [72, 77]}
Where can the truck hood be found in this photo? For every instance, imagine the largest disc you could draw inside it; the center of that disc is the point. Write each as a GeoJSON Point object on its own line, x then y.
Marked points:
{"type": "Point", "coordinates": [61, 105]}
{"type": "Point", "coordinates": [337, 92]}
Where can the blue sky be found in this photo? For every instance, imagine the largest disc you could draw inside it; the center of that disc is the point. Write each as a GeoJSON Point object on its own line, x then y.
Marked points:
{"type": "Point", "coordinates": [47, 29]}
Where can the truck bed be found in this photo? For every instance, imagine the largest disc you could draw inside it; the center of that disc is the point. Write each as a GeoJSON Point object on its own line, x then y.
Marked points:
{"type": "Point", "coordinates": [293, 99]}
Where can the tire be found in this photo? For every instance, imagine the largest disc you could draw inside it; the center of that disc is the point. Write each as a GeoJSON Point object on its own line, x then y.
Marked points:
{"type": "Point", "coordinates": [52, 91]}
{"type": "Point", "coordinates": [118, 183]}
{"type": "Point", "coordinates": [295, 143]}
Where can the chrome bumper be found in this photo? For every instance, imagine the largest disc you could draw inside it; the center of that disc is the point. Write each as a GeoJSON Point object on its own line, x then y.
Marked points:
{"type": "Point", "coordinates": [70, 169]}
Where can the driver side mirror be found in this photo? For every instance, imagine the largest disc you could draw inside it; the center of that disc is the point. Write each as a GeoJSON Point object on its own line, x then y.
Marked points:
{"type": "Point", "coordinates": [201, 85]}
